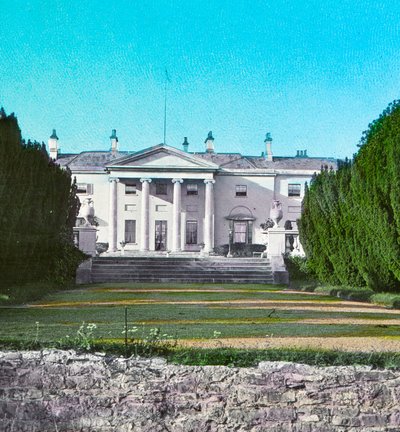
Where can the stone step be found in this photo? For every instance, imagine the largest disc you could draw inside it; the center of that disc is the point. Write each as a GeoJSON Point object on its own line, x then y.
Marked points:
{"type": "Point", "coordinates": [185, 280]}
{"type": "Point", "coordinates": [181, 272]}
{"type": "Point", "coordinates": [183, 264]}
{"type": "Point", "coordinates": [169, 261]}
{"type": "Point", "coordinates": [183, 275]}
{"type": "Point", "coordinates": [181, 269]}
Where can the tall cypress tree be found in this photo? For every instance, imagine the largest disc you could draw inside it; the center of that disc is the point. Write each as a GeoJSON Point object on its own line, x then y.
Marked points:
{"type": "Point", "coordinates": [38, 207]}
{"type": "Point", "coordinates": [350, 223]}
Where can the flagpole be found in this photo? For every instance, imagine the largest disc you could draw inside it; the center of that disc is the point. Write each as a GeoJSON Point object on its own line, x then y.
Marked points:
{"type": "Point", "coordinates": [165, 109]}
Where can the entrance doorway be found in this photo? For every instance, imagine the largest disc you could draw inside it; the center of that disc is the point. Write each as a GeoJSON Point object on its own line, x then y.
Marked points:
{"type": "Point", "coordinates": [161, 236]}
{"type": "Point", "coordinates": [242, 232]}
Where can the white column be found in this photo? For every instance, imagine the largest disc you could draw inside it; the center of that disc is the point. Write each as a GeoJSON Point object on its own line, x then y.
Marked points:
{"type": "Point", "coordinates": [113, 218]}
{"type": "Point", "coordinates": [176, 215]}
{"type": "Point", "coordinates": [183, 230]}
{"type": "Point", "coordinates": [144, 233]}
{"type": "Point", "coordinates": [209, 216]}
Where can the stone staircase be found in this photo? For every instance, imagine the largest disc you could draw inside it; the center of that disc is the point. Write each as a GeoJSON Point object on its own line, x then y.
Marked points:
{"type": "Point", "coordinates": [181, 269]}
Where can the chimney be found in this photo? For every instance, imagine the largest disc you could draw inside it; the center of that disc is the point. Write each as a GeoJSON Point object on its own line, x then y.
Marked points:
{"type": "Point", "coordinates": [114, 141]}
{"type": "Point", "coordinates": [305, 153]}
{"type": "Point", "coordinates": [209, 143]}
{"type": "Point", "coordinates": [185, 145]}
{"type": "Point", "coordinates": [53, 145]}
{"type": "Point", "coordinates": [268, 144]}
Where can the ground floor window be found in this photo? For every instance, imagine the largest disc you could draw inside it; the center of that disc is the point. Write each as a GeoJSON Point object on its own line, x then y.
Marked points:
{"type": "Point", "coordinates": [130, 231]}
{"type": "Point", "coordinates": [191, 232]}
{"type": "Point", "coordinates": [243, 232]}
{"type": "Point", "coordinates": [160, 235]}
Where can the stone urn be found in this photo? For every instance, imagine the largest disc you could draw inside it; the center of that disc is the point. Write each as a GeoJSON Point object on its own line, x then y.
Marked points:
{"type": "Point", "coordinates": [87, 211]}
{"type": "Point", "coordinates": [276, 212]}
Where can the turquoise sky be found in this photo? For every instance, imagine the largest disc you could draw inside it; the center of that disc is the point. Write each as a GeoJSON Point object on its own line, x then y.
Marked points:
{"type": "Point", "coordinates": [313, 73]}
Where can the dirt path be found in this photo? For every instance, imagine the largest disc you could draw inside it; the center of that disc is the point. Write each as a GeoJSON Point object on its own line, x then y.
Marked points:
{"type": "Point", "coordinates": [201, 290]}
{"type": "Point", "coordinates": [359, 344]}
{"type": "Point", "coordinates": [337, 306]}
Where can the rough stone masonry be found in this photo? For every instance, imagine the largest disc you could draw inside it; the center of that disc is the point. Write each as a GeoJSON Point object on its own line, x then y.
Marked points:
{"type": "Point", "coordinates": [64, 391]}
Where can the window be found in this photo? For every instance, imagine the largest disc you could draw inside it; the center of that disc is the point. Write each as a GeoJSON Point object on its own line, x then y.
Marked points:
{"type": "Point", "coordinates": [130, 231]}
{"type": "Point", "coordinates": [240, 233]}
{"type": "Point", "coordinates": [161, 188]}
{"type": "Point", "coordinates": [241, 190]}
{"type": "Point", "coordinates": [84, 188]}
{"type": "Point", "coordinates": [130, 207]}
{"type": "Point", "coordinates": [294, 189]}
{"type": "Point", "coordinates": [161, 208]}
{"type": "Point", "coordinates": [191, 189]}
{"type": "Point", "coordinates": [191, 232]}
{"type": "Point", "coordinates": [130, 188]}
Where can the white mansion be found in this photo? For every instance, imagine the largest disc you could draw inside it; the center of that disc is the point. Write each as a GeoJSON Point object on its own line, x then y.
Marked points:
{"type": "Point", "coordinates": [164, 198]}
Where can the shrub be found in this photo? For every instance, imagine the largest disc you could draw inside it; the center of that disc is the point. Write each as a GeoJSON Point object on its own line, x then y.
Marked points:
{"type": "Point", "coordinates": [101, 248]}
{"type": "Point", "coordinates": [348, 293]}
{"type": "Point", "coordinates": [240, 249]}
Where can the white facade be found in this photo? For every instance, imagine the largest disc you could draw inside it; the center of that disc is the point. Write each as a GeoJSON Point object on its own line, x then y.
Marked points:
{"type": "Point", "coordinates": [162, 198]}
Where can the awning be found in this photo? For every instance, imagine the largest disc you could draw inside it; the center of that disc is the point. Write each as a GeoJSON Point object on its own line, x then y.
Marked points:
{"type": "Point", "coordinates": [240, 217]}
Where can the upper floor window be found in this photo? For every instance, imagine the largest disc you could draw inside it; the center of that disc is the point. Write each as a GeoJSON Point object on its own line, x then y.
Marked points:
{"type": "Point", "coordinates": [130, 189]}
{"type": "Point", "coordinates": [241, 190]}
{"type": "Point", "coordinates": [294, 189]}
{"type": "Point", "coordinates": [161, 189]}
{"type": "Point", "coordinates": [84, 188]}
{"type": "Point", "coordinates": [191, 189]}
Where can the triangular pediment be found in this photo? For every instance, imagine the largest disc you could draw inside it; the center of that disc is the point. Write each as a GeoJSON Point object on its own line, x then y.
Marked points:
{"type": "Point", "coordinates": [162, 157]}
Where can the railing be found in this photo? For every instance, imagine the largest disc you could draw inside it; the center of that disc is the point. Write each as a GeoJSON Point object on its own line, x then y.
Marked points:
{"type": "Point", "coordinates": [292, 243]}
{"type": "Point", "coordinates": [76, 237]}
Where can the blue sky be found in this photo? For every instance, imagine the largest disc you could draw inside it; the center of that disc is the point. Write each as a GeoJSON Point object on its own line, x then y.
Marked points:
{"type": "Point", "coordinates": [313, 73]}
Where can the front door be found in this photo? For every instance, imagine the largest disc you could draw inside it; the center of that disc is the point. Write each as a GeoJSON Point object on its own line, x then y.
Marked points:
{"type": "Point", "coordinates": [161, 236]}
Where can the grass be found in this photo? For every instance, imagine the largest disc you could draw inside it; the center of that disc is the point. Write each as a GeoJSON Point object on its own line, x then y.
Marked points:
{"type": "Point", "coordinates": [232, 357]}
{"type": "Point", "coordinates": [301, 279]}
{"type": "Point", "coordinates": [96, 296]}
{"type": "Point", "coordinates": [28, 292]}
{"type": "Point", "coordinates": [199, 311]}
{"type": "Point", "coordinates": [61, 313]}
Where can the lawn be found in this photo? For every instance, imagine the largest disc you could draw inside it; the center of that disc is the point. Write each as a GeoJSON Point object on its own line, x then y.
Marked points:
{"type": "Point", "coordinates": [197, 311]}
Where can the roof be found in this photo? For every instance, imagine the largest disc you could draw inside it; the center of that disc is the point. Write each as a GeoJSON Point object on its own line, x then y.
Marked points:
{"type": "Point", "coordinates": [90, 160]}
{"type": "Point", "coordinates": [99, 160]}
{"type": "Point", "coordinates": [237, 161]}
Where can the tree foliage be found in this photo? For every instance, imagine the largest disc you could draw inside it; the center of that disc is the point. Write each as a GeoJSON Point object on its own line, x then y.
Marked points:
{"type": "Point", "coordinates": [38, 207]}
{"type": "Point", "coordinates": [350, 222]}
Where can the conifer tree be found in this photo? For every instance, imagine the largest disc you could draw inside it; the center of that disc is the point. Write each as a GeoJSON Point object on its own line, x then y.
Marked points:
{"type": "Point", "coordinates": [38, 207]}
{"type": "Point", "coordinates": [350, 222]}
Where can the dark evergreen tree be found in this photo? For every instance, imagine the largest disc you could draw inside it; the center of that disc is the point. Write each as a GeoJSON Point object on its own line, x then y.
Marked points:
{"type": "Point", "coordinates": [350, 222]}
{"type": "Point", "coordinates": [38, 207]}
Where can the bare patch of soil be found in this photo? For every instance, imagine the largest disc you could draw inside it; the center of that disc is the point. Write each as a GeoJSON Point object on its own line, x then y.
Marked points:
{"type": "Point", "coordinates": [350, 344]}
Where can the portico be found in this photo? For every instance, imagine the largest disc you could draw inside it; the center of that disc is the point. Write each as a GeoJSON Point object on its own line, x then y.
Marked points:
{"type": "Point", "coordinates": [169, 206]}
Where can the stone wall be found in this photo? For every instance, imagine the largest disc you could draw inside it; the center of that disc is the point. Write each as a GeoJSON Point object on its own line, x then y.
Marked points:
{"type": "Point", "coordinates": [63, 391]}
